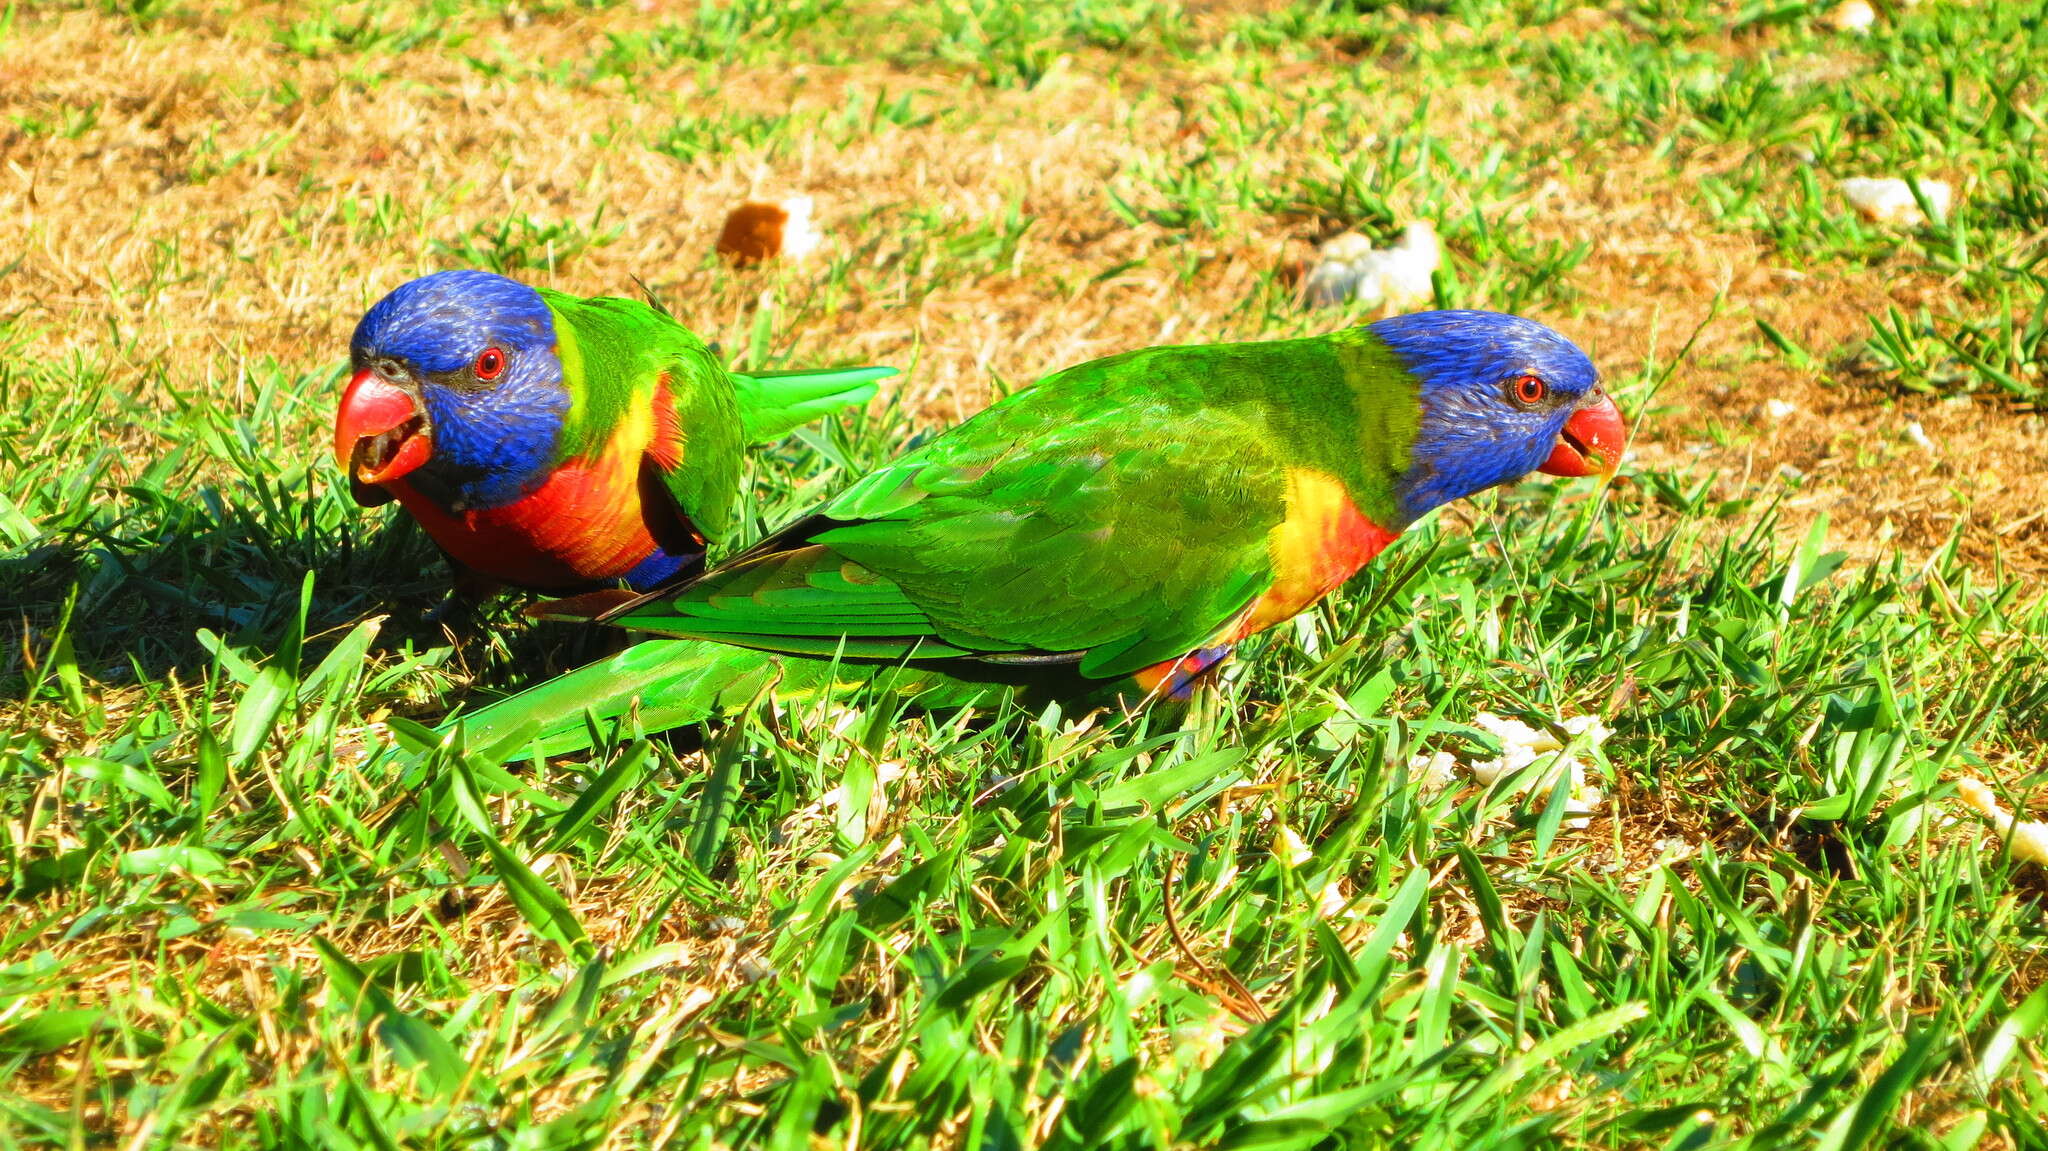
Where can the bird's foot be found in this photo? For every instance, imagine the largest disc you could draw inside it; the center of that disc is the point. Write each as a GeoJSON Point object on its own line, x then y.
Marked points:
{"type": "Point", "coordinates": [459, 612]}
{"type": "Point", "coordinates": [456, 612]}
{"type": "Point", "coordinates": [1177, 678]}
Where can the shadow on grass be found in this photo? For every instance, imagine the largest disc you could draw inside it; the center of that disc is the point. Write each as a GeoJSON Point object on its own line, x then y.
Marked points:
{"type": "Point", "coordinates": [132, 594]}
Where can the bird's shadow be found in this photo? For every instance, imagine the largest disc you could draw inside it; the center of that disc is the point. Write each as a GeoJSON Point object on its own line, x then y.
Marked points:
{"type": "Point", "coordinates": [125, 599]}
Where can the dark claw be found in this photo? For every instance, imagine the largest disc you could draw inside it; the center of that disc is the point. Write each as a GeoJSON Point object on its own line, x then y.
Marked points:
{"type": "Point", "coordinates": [456, 612]}
{"type": "Point", "coordinates": [459, 611]}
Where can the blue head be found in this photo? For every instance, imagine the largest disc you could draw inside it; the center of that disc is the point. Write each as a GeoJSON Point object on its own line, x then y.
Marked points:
{"type": "Point", "coordinates": [457, 384]}
{"type": "Point", "coordinates": [1501, 397]}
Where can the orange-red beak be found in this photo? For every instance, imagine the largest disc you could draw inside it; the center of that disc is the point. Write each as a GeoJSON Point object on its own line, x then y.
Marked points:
{"type": "Point", "coordinates": [380, 434]}
{"type": "Point", "coordinates": [1591, 442]}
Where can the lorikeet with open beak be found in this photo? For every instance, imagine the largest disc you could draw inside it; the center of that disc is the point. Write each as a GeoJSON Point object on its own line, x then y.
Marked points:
{"type": "Point", "coordinates": [1122, 524]}
{"type": "Point", "coordinates": [556, 443]}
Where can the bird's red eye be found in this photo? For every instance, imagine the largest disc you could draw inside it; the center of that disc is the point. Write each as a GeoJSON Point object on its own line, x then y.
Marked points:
{"type": "Point", "coordinates": [1530, 390]}
{"type": "Point", "coordinates": [489, 364]}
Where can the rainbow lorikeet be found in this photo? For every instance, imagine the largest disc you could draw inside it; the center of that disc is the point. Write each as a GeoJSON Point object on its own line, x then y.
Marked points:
{"type": "Point", "coordinates": [556, 443]}
{"type": "Point", "coordinates": [1122, 524]}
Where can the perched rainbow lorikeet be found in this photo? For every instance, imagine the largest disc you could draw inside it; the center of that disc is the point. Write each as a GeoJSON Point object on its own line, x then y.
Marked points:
{"type": "Point", "coordinates": [556, 443]}
{"type": "Point", "coordinates": [1121, 525]}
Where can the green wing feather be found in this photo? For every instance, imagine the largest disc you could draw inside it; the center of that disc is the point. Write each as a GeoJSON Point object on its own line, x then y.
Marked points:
{"type": "Point", "coordinates": [1117, 513]}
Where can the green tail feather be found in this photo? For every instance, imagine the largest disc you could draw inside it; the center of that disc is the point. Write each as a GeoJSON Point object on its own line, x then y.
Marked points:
{"type": "Point", "coordinates": [665, 682]}
{"type": "Point", "coordinates": [773, 404]}
{"type": "Point", "coordinates": [668, 683]}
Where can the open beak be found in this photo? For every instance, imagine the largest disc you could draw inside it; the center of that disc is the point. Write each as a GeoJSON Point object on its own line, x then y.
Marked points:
{"type": "Point", "coordinates": [380, 434]}
{"type": "Point", "coordinates": [1591, 442]}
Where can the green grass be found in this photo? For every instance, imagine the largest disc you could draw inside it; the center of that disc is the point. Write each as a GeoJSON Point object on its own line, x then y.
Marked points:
{"type": "Point", "coordinates": [247, 906]}
{"type": "Point", "coordinates": [860, 919]}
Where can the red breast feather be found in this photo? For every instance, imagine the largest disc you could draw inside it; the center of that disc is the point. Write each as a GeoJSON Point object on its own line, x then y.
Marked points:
{"type": "Point", "coordinates": [584, 524]}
